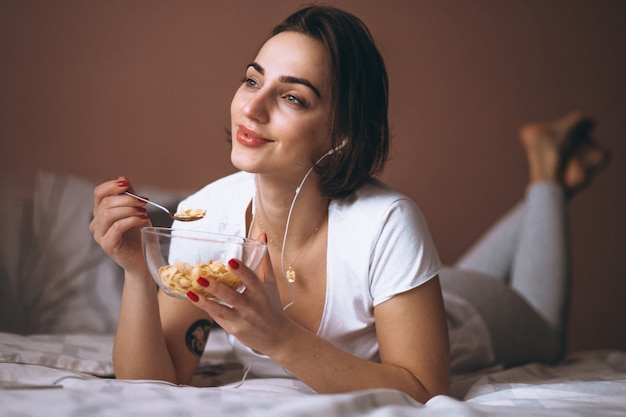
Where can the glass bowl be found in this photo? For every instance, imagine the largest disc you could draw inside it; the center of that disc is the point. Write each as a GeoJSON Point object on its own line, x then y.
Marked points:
{"type": "Point", "coordinates": [177, 257]}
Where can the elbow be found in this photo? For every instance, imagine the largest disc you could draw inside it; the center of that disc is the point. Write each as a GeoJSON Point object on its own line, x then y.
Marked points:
{"type": "Point", "coordinates": [428, 393]}
{"type": "Point", "coordinates": [423, 392]}
{"type": "Point", "coordinates": [425, 395]}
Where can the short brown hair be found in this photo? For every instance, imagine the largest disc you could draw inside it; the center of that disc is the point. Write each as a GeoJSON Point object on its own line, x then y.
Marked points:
{"type": "Point", "coordinates": [359, 102]}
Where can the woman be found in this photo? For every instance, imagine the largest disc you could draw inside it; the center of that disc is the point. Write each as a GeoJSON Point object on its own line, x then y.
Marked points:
{"type": "Point", "coordinates": [310, 117]}
{"type": "Point", "coordinates": [365, 307]}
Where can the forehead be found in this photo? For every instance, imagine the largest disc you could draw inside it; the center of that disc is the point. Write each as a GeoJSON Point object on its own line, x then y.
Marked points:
{"type": "Point", "coordinates": [295, 54]}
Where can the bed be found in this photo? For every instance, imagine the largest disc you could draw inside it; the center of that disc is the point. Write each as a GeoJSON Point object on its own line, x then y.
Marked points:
{"type": "Point", "coordinates": [59, 296]}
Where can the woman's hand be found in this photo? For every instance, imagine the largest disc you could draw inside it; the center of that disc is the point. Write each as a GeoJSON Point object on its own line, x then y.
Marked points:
{"type": "Point", "coordinates": [117, 219]}
{"type": "Point", "coordinates": [256, 316]}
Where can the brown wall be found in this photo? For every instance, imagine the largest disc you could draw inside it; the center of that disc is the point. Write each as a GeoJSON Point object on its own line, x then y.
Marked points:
{"type": "Point", "coordinates": [142, 88]}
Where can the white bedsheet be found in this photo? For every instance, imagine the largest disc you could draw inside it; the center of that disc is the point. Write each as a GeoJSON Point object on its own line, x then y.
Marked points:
{"type": "Point", "coordinates": [586, 384]}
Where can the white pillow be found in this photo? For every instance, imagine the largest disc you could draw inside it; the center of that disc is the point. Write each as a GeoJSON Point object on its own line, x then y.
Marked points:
{"type": "Point", "coordinates": [82, 353]}
{"type": "Point", "coordinates": [16, 232]}
{"type": "Point", "coordinates": [72, 285]}
{"type": "Point", "coordinates": [92, 354]}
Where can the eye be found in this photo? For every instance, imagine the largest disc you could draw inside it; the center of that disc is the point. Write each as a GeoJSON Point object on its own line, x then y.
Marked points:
{"type": "Point", "coordinates": [291, 99]}
{"type": "Point", "coordinates": [249, 82]}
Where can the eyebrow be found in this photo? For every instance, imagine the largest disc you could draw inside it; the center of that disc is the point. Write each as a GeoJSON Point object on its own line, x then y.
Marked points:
{"type": "Point", "coordinates": [287, 78]}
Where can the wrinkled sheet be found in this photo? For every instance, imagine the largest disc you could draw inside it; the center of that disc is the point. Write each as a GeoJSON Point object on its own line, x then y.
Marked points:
{"type": "Point", "coordinates": [589, 383]}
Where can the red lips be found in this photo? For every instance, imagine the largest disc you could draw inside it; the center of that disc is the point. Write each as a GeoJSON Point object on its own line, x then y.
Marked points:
{"type": "Point", "coordinates": [250, 138]}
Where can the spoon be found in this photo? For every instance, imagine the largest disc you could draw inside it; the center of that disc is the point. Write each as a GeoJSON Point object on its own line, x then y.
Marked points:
{"type": "Point", "coordinates": [183, 217]}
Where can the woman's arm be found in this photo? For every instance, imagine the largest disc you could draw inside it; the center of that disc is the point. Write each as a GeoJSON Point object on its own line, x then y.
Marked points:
{"type": "Point", "coordinates": [148, 342]}
{"type": "Point", "coordinates": [413, 334]}
{"type": "Point", "coordinates": [411, 329]}
{"type": "Point", "coordinates": [413, 339]}
{"type": "Point", "coordinates": [158, 338]}
{"type": "Point", "coordinates": [139, 350]}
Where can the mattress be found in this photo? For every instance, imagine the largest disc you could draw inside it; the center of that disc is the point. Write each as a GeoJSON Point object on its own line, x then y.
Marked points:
{"type": "Point", "coordinates": [72, 374]}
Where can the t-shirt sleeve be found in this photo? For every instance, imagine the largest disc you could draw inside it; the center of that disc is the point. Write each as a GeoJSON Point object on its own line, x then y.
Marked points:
{"type": "Point", "coordinates": [404, 255]}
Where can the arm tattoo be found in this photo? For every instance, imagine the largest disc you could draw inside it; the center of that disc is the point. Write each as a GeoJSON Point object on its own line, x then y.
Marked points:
{"type": "Point", "coordinates": [197, 335]}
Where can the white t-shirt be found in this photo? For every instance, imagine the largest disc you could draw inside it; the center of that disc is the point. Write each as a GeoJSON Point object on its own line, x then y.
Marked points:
{"type": "Point", "coordinates": [378, 246]}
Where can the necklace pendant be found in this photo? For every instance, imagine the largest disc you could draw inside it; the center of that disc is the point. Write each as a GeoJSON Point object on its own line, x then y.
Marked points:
{"type": "Point", "coordinates": [291, 275]}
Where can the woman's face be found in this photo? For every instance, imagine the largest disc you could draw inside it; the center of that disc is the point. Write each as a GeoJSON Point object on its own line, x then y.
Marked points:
{"type": "Point", "coordinates": [281, 113]}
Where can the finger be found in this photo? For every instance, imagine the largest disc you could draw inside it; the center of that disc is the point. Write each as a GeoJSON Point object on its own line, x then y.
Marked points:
{"type": "Point", "coordinates": [110, 206]}
{"type": "Point", "coordinates": [112, 188]}
{"type": "Point", "coordinates": [248, 277]}
{"type": "Point", "coordinates": [225, 316]}
{"type": "Point", "coordinates": [113, 228]}
{"type": "Point", "coordinates": [113, 209]}
{"type": "Point", "coordinates": [224, 299]}
{"type": "Point", "coordinates": [108, 188]}
{"type": "Point", "coordinates": [114, 231]}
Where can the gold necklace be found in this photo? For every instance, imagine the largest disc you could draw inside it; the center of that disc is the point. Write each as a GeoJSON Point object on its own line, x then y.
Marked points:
{"type": "Point", "coordinates": [290, 274]}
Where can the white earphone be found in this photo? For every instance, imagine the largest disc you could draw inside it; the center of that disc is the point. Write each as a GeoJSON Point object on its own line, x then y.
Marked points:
{"type": "Point", "coordinates": [343, 143]}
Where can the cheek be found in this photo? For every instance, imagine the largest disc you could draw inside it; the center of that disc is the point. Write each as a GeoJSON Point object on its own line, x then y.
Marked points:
{"type": "Point", "coordinates": [307, 131]}
{"type": "Point", "coordinates": [234, 104]}
{"type": "Point", "coordinates": [240, 99]}
{"type": "Point", "coordinates": [321, 134]}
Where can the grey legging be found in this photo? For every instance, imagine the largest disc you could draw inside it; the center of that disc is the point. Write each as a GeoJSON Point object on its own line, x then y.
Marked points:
{"type": "Point", "coordinates": [517, 277]}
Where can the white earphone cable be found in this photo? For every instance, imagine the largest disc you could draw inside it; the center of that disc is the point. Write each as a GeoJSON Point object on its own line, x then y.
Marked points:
{"type": "Point", "coordinates": [293, 203]}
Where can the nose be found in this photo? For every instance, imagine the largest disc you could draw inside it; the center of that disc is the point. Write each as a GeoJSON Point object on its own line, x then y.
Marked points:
{"type": "Point", "coordinates": [256, 107]}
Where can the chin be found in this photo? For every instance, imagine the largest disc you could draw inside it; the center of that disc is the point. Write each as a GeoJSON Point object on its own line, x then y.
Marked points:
{"type": "Point", "coordinates": [243, 163]}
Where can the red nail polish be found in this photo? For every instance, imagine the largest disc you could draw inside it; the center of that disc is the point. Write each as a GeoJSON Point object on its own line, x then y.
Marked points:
{"type": "Point", "coordinates": [203, 281]}
{"type": "Point", "coordinates": [233, 264]}
{"type": "Point", "coordinates": [123, 183]}
{"type": "Point", "coordinates": [193, 296]}
{"type": "Point", "coordinates": [141, 209]}
{"type": "Point", "coordinates": [144, 217]}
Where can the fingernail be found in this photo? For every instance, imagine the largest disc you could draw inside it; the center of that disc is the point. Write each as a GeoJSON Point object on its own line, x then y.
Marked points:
{"type": "Point", "coordinates": [203, 281]}
{"type": "Point", "coordinates": [141, 209]}
{"type": "Point", "coordinates": [144, 217]}
{"type": "Point", "coordinates": [123, 183]}
{"type": "Point", "coordinates": [193, 296]}
{"type": "Point", "coordinates": [233, 264]}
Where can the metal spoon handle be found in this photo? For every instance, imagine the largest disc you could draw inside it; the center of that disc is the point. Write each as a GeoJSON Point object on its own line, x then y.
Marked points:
{"type": "Point", "coordinates": [149, 202]}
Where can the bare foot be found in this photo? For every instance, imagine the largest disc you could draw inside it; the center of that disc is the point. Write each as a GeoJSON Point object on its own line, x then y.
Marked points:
{"type": "Point", "coordinates": [583, 166]}
{"type": "Point", "coordinates": [563, 151]}
{"type": "Point", "coordinates": [543, 142]}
